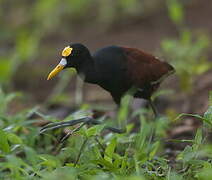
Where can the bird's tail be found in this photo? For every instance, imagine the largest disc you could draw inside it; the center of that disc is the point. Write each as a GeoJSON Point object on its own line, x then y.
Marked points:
{"type": "Point", "coordinates": [170, 68]}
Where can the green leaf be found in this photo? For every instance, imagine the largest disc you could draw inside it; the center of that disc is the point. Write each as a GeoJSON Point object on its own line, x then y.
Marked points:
{"type": "Point", "coordinates": [4, 146]}
{"type": "Point", "coordinates": [110, 150]}
{"type": "Point", "coordinates": [202, 68]}
{"type": "Point", "coordinates": [105, 163]}
{"type": "Point", "coordinates": [187, 114]}
{"type": "Point", "coordinates": [198, 137]}
{"type": "Point", "coordinates": [155, 147]}
{"type": "Point", "coordinates": [92, 131]}
{"type": "Point", "coordinates": [210, 98]}
{"type": "Point", "coordinates": [205, 174]}
{"type": "Point", "coordinates": [140, 141]}
{"type": "Point", "coordinates": [31, 155]}
{"type": "Point", "coordinates": [5, 70]}
{"type": "Point", "coordinates": [186, 155]}
{"type": "Point", "coordinates": [49, 161]}
{"type": "Point", "coordinates": [208, 116]}
{"type": "Point", "coordinates": [13, 138]}
{"type": "Point", "coordinates": [175, 9]}
{"type": "Point", "coordinates": [124, 110]}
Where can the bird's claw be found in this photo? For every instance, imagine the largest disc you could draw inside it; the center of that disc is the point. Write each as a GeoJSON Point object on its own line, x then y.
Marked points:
{"type": "Point", "coordinates": [86, 120]}
{"type": "Point", "coordinates": [58, 125]}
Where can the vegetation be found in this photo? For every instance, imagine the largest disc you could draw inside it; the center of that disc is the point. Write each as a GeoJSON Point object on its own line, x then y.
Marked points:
{"type": "Point", "coordinates": [142, 152]}
{"type": "Point", "coordinates": [135, 155]}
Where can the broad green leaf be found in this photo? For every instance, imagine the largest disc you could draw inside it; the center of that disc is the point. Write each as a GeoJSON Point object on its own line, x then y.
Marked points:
{"type": "Point", "coordinates": [49, 161]}
{"type": "Point", "coordinates": [110, 150]}
{"type": "Point", "coordinates": [104, 162]}
{"type": "Point", "coordinates": [205, 174]}
{"type": "Point", "coordinates": [92, 131]}
{"type": "Point", "coordinates": [95, 130]}
{"type": "Point", "coordinates": [4, 146]}
{"type": "Point", "coordinates": [13, 138]}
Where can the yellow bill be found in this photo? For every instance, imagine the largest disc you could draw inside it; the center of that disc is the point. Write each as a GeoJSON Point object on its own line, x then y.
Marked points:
{"type": "Point", "coordinates": [57, 69]}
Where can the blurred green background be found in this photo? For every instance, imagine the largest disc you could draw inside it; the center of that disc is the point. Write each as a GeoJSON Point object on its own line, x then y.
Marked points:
{"type": "Point", "coordinates": [33, 33]}
{"type": "Point", "coordinates": [32, 36]}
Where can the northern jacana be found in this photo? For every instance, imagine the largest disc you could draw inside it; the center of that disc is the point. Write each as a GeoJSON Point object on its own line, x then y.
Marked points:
{"type": "Point", "coordinates": [117, 70]}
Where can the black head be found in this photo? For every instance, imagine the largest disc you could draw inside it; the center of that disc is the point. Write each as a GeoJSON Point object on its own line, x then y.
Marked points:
{"type": "Point", "coordinates": [76, 55]}
{"type": "Point", "coordinates": [72, 56]}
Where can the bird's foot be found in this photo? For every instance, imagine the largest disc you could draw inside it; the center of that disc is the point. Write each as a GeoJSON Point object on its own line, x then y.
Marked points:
{"type": "Point", "coordinates": [82, 122]}
{"type": "Point", "coordinates": [59, 125]}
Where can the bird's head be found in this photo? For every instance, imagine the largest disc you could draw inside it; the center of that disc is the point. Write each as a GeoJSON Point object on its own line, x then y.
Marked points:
{"type": "Point", "coordinates": [72, 56]}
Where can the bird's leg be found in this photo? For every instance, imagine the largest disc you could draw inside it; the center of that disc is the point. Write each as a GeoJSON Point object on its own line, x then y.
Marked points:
{"type": "Point", "coordinates": [153, 108]}
{"type": "Point", "coordinates": [58, 125]}
{"type": "Point", "coordinates": [86, 120]}
{"type": "Point", "coordinates": [115, 130]}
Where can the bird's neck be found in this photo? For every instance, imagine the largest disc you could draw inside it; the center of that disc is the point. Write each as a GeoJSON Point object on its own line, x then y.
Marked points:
{"type": "Point", "coordinates": [87, 70]}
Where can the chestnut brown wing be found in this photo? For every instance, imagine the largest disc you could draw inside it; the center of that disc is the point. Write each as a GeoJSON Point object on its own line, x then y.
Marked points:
{"type": "Point", "coordinates": [144, 69]}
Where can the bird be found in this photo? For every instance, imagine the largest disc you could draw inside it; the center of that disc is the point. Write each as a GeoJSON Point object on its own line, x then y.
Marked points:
{"type": "Point", "coordinates": [117, 69]}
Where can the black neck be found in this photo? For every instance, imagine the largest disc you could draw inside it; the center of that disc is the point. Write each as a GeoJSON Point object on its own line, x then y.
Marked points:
{"type": "Point", "coordinates": [87, 70]}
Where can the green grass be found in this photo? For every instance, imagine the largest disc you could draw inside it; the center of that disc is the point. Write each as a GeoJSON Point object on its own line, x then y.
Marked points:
{"type": "Point", "coordinates": [141, 154]}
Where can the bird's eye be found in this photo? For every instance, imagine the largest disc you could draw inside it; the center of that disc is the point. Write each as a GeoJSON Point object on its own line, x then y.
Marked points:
{"type": "Point", "coordinates": [67, 51]}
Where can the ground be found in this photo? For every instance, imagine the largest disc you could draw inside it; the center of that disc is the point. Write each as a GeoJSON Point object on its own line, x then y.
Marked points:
{"type": "Point", "coordinates": [145, 34]}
